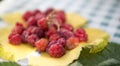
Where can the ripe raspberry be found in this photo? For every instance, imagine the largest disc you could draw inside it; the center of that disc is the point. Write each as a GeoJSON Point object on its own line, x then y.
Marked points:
{"type": "Point", "coordinates": [39, 16]}
{"type": "Point", "coordinates": [48, 11]}
{"type": "Point", "coordinates": [41, 44]}
{"type": "Point", "coordinates": [19, 24]}
{"type": "Point", "coordinates": [36, 11]}
{"type": "Point", "coordinates": [41, 33]}
{"type": "Point", "coordinates": [18, 29]}
{"type": "Point", "coordinates": [27, 15]}
{"type": "Point", "coordinates": [31, 21]}
{"type": "Point", "coordinates": [33, 29]}
{"type": "Point", "coordinates": [31, 39]}
{"type": "Point", "coordinates": [59, 21]}
{"type": "Point", "coordinates": [61, 14]}
{"type": "Point", "coordinates": [61, 41]}
{"type": "Point", "coordinates": [84, 38]}
{"type": "Point", "coordinates": [42, 23]}
{"type": "Point", "coordinates": [56, 50]}
{"type": "Point", "coordinates": [72, 42]}
{"type": "Point", "coordinates": [53, 25]}
{"type": "Point", "coordinates": [80, 30]}
{"type": "Point", "coordinates": [81, 34]}
{"type": "Point", "coordinates": [67, 26]}
{"type": "Point", "coordinates": [24, 36]}
{"type": "Point", "coordinates": [49, 44]}
{"type": "Point", "coordinates": [50, 32]}
{"type": "Point", "coordinates": [66, 33]}
{"type": "Point", "coordinates": [15, 39]}
{"type": "Point", "coordinates": [54, 37]}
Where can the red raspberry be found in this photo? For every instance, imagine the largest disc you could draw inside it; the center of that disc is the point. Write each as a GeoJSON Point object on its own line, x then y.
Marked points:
{"type": "Point", "coordinates": [15, 39]}
{"type": "Point", "coordinates": [39, 16]}
{"type": "Point", "coordinates": [27, 15]}
{"type": "Point", "coordinates": [67, 26]}
{"type": "Point", "coordinates": [80, 30]}
{"type": "Point", "coordinates": [33, 29]}
{"type": "Point", "coordinates": [41, 44]}
{"type": "Point", "coordinates": [61, 15]}
{"type": "Point", "coordinates": [54, 37]}
{"type": "Point", "coordinates": [59, 21]}
{"type": "Point", "coordinates": [61, 41]}
{"type": "Point", "coordinates": [56, 50]}
{"type": "Point", "coordinates": [31, 21]}
{"type": "Point", "coordinates": [72, 42]}
{"type": "Point", "coordinates": [42, 23]}
{"type": "Point", "coordinates": [25, 34]}
{"type": "Point", "coordinates": [19, 24]}
{"type": "Point", "coordinates": [41, 33]}
{"type": "Point", "coordinates": [53, 25]}
{"type": "Point", "coordinates": [36, 11]}
{"type": "Point", "coordinates": [66, 33]}
{"type": "Point", "coordinates": [31, 39]}
{"type": "Point", "coordinates": [48, 11]}
{"type": "Point", "coordinates": [50, 32]}
{"type": "Point", "coordinates": [81, 34]}
{"type": "Point", "coordinates": [49, 44]}
{"type": "Point", "coordinates": [18, 29]}
{"type": "Point", "coordinates": [83, 38]}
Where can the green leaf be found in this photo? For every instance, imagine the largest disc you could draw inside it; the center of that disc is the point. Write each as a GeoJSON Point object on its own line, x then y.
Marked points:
{"type": "Point", "coordinates": [110, 56]}
{"type": "Point", "coordinates": [8, 64]}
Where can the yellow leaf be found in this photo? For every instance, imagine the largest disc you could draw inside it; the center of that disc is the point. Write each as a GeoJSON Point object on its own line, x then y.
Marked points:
{"type": "Point", "coordinates": [12, 18]}
{"type": "Point", "coordinates": [76, 20]}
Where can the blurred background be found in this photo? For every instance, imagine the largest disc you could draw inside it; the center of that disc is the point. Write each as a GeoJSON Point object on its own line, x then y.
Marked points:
{"type": "Point", "coordinates": [103, 14]}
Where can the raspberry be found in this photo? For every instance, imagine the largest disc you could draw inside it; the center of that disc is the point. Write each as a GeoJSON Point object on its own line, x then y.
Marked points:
{"type": "Point", "coordinates": [31, 21]}
{"type": "Point", "coordinates": [41, 44]}
{"type": "Point", "coordinates": [50, 43]}
{"type": "Point", "coordinates": [50, 32]}
{"type": "Point", "coordinates": [15, 39]}
{"type": "Point", "coordinates": [61, 41]}
{"type": "Point", "coordinates": [25, 34]}
{"type": "Point", "coordinates": [19, 24]}
{"type": "Point", "coordinates": [18, 29]}
{"type": "Point", "coordinates": [72, 42]}
{"type": "Point", "coordinates": [36, 30]}
{"type": "Point", "coordinates": [27, 15]}
{"type": "Point", "coordinates": [80, 30]}
{"type": "Point", "coordinates": [59, 21]}
{"type": "Point", "coordinates": [33, 29]}
{"type": "Point", "coordinates": [36, 12]}
{"type": "Point", "coordinates": [67, 26]}
{"type": "Point", "coordinates": [54, 37]}
{"type": "Point", "coordinates": [42, 23]}
{"type": "Point", "coordinates": [48, 11]}
{"type": "Point", "coordinates": [39, 16]}
{"type": "Point", "coordinates": [61, 15]}
{"type": "Point", "coordinates": [31, 39]}
{"type": "Point", "coordinates": [56, 50]}
{"type": "Point", "coordinates": [81, 34]}
{"type": "Point", "coordinates": [41, 33]}
{"type": "Point", "coordinates": [53, 25]}
{"type": "Point", "coordinates": [66, 33]}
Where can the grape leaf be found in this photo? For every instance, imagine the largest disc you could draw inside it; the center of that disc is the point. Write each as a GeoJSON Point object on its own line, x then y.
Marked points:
{"type": "Point", "coordinates": [110, 56]}
{"type": "Point", "coordinates": [8, 64]}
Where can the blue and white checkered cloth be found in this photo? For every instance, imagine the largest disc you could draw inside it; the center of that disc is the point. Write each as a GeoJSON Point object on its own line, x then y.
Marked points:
{"type": "Point", "coordinates": [103, 14]}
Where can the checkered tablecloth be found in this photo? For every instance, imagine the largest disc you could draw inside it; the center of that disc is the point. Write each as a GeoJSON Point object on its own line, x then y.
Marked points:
{"type": "Point", "coordinates": [103, 14]}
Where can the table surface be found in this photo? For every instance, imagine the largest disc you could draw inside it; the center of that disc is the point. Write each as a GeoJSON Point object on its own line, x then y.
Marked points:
{"type": "Point", "coordinates": [103, 14]}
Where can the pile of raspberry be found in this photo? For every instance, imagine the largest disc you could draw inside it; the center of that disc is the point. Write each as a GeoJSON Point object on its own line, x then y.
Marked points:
{"type": "Point", "coordinates": [48, 31]}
